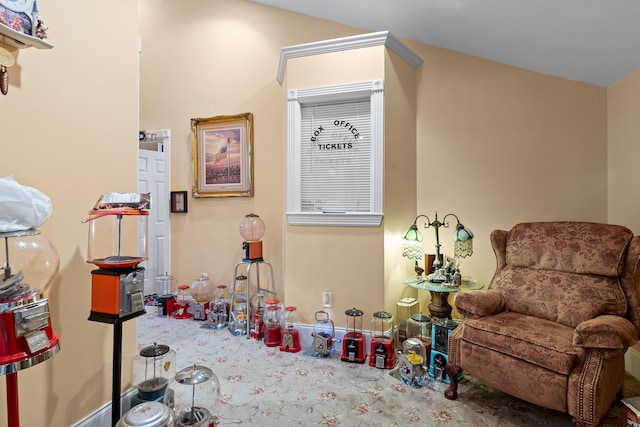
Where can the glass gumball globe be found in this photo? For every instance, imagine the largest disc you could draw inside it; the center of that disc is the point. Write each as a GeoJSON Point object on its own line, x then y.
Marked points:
{"type": "Point", "coordinates": [193, 395]}
{"type": "Point", "coordinates": [252, 228]}
{"type": "Point", "coordinates": [31, 253]}
{"type": "Point", "coordinates": [203, 289]}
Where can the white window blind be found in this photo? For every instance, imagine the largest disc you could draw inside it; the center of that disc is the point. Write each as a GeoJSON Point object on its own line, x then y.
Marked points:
{"type": "Point", "coordinates": [335, 157]}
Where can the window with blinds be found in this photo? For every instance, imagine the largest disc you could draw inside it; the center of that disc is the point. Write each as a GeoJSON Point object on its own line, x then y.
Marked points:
{"type": "Point", "coordinates": [335, 155]}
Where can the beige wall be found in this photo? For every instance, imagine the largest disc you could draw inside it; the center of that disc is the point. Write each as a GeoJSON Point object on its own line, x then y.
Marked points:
{"type": "Point", "coordinates": [69, 129]}
{"type": "Point", "coordinates": [623, 152]}
{"type": "Point", "coordinates": [499, 145]}
{"type": "Point", "coordinates": [338, 259]}
{"type": "Point", "coordinates": [400, 196]}
{"type": "Point", "coordinates": [221, 58]}
{"type": "Point", "coordinates": [495, 144]}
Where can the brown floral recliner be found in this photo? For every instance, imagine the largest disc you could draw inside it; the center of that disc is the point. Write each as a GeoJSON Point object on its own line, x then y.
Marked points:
{"type": "Point", "coordinates": [555, 322]}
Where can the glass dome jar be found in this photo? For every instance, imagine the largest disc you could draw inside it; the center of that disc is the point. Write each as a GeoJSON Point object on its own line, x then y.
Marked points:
{"type": "Point", "coordinates": [117, 237]}
{"type": "Point", "coordinates": [153, 369]}
{"type": "Point", "coordinates": [240, 285]}
{"type": "Point", "coordinates": [219, 309]}
{"type": "Point", "coordinates": [30, 263]}
{"type": "Point", "coordinates": [203, 289]}
{"type": "Point", "coordinates": [252, 228]}
{"type": "Point", "coordinates": [193, 395]}
{"type": "Point", "coordinates": [381, 325]}
{"type": "Point", "coordinates": [238, 323]}
{"type": "Point", "coordinates": [165, 285]}
{"type": "Point", "coordinates": [419, 326]}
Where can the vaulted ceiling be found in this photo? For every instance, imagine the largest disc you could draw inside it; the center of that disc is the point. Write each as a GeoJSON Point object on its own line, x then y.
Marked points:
{"type": "Point", "coordinates": [592, 41]}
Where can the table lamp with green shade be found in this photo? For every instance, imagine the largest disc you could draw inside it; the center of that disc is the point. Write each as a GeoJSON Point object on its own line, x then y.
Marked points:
{"type": "Point", "coordinates": [412, 241]}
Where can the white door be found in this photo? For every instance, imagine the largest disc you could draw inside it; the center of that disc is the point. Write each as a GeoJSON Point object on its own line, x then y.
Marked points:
{"type": "Point", "coordinates": [153, 178]}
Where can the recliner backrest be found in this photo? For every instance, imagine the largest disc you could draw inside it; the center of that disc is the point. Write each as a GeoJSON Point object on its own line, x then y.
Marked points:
{"type": "Point", "coordinates": [565, 272]}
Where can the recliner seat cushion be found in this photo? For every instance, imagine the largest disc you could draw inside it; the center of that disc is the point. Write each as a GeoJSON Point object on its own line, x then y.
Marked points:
{"type": "Point", "coordinates": [538, 341]}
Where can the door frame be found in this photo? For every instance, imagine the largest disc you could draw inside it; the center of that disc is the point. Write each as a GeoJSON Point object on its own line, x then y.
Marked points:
{"type": "Point", "coordinates": [163, 138]}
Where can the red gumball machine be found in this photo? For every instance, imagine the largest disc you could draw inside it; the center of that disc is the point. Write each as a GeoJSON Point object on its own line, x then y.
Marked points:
{"type": "Point", "coordinates": [30, 265]}
{"type": "Point", "coordinates": [353, 345]}
{"type": "Point", "coordinates": [290, 341]}
{"type": "Point", "coordinates": [272, 329]}
{"type": "Point", "coordinates": [182, 303]}
{"type": "Point", "coordinates": [382, 354]}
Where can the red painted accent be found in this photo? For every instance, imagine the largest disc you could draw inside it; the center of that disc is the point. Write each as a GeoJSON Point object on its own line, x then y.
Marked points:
{"type": "Point", "coordinates": [13, 409]}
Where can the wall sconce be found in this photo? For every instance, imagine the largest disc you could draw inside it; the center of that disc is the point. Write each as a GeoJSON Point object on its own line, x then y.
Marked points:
{"type": "Point", "coordinates": [412, 242]}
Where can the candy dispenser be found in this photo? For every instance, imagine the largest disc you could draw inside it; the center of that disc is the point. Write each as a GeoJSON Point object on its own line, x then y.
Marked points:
{"type": "Point", "coordinates": [164, 294]}
{"type": "Point", "coordinates": [419, 326]}
{"type": "Point", "coordinates": [405, 308]}
{"type": "Point", "coordinates": [202, 291]}
{"type": "Point", "coordinates": [273, 331]}
{"type": "Point", "coordinates": [353, 345]}
{"type": "Point", "coordinates": [240, 285]}
{"type": "Point", "coordinates": [290, 341]}
{"type": "Point", "coordinates": [252, 228]}
{"type": "Point", "coordinates": [153, 369]}
{"type": "Point", "coordinates": [256, 329]}
{"type": "Point", "coordinates": [218, 309]}
{"type": "Point", "coordinates": [323, 334]}
{"type": "Point", "coordinates": [412, 362]}
{"type": "Point", "coordinates": [182, 303]}
{"type": "Point", "coordinates": [238, 322]}
{"type": "Point", "coordinates": [382, 354]}
{"type": "Point", "coordinates": [117, 245]}
{"type": "Point", "coordinates": [440, 332]}
{"type": "Point", "coordinates": [193, 395]}
{"type": "Point", "coordinates": [30, 265]}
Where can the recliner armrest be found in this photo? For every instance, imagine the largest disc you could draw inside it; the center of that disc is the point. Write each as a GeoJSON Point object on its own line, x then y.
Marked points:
{"type": "Point", "coordinates": [479, 303]}
{"type": "Point", "coordinates": [607, 332]}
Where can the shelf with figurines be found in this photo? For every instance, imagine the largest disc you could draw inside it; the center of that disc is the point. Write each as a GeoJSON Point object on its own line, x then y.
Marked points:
{"type": "Point", "coordinates": [21, 26]}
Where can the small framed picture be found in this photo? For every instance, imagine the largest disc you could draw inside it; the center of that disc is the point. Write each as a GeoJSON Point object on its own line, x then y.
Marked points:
{"type": "Point", "coordinates": [178, 202]}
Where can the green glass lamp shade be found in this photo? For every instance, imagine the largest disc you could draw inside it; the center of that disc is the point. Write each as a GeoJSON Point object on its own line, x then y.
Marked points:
{"type": "Point", "coordinates": [462, 242]}
{"type": "Point", "coordinates": [412, 244]}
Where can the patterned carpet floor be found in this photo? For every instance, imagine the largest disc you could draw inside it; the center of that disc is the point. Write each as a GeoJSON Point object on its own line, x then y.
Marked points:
{"type": "Point", "coordinates": [262, 386]}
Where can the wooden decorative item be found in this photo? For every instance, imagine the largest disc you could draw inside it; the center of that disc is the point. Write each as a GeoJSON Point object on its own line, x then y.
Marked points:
{"type": "Point", "coordinates": [4, 80]}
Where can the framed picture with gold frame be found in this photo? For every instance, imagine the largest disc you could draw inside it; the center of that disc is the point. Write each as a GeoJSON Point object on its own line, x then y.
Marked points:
{"type": "Point", "coordinates": [223, 156]}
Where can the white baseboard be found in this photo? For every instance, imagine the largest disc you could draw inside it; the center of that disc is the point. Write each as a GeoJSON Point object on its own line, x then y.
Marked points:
{"type": "Point", "coordinates": [306, 339]}
{"type": "Point", "coordinates": [102, 416]}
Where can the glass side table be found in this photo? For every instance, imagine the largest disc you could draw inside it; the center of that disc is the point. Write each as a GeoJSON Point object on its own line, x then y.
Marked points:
{"type": "Point", "coordinates": [439, 306]}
